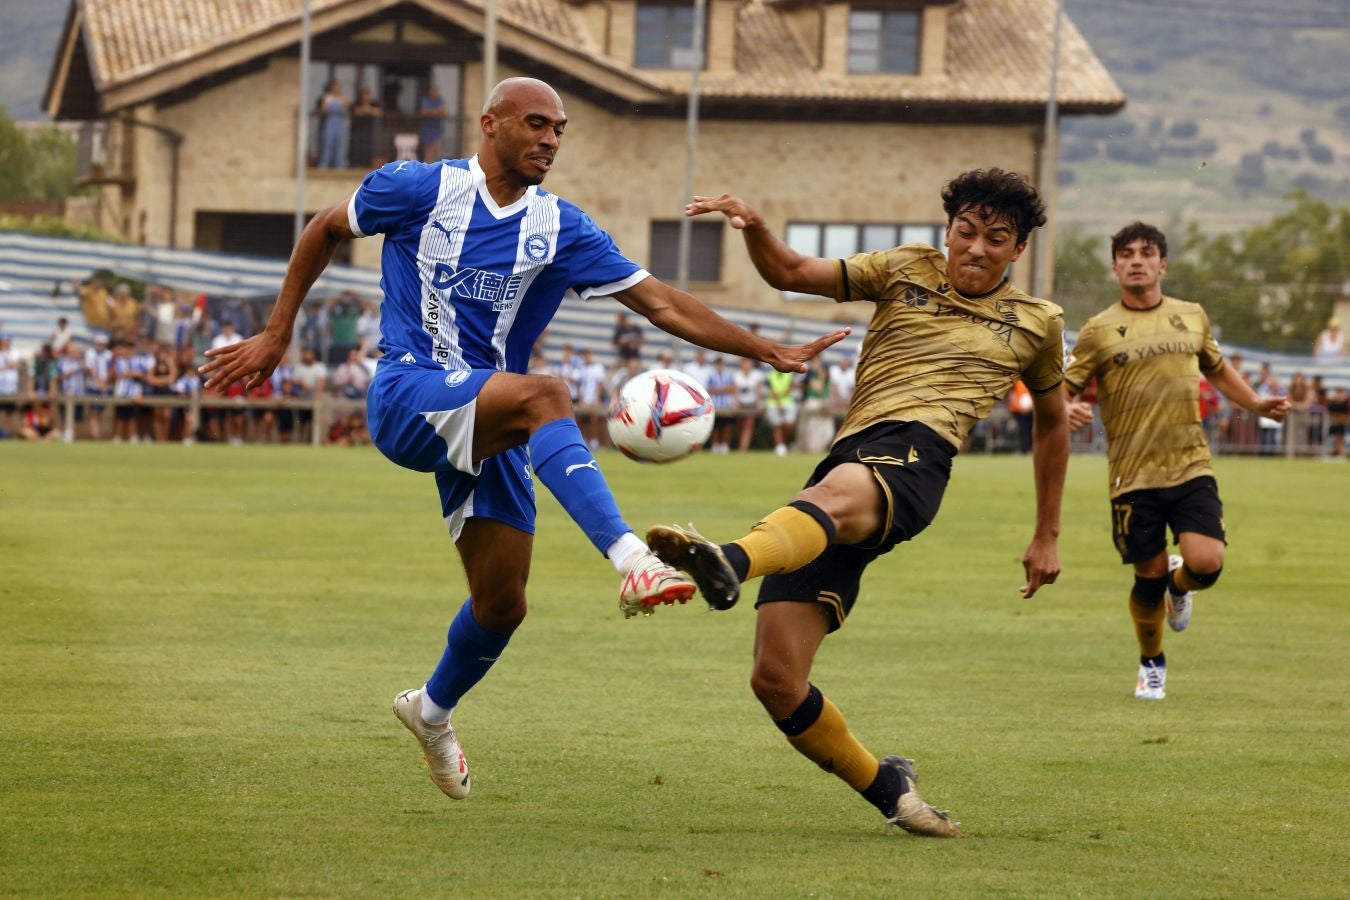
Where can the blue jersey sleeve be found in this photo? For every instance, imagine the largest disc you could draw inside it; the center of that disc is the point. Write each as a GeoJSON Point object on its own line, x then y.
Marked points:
{"type": "Point", "coordinates": [597, 267]}
{"type": "Point", "coordinates": [392, 196]}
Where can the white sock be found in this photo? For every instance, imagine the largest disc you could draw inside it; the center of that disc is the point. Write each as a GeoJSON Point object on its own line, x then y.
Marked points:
{"type": "Point", "coordinates": [622, 551]}
{"type": "Point", "coordinates": [431, 713]}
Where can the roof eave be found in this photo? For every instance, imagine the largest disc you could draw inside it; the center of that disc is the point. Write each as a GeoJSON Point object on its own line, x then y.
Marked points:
{"type": "Point", "coordinates": [59, 73]}
{"type": "Point", "coordinates": [178, 73]}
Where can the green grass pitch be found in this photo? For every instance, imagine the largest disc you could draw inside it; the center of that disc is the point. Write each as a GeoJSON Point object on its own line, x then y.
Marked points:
{"type": "Point", "coordinates": [199, 647]}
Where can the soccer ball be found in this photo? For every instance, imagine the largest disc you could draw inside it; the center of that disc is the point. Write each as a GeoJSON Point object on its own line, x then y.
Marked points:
{"type": "Point", "coordinates": [660, 416]}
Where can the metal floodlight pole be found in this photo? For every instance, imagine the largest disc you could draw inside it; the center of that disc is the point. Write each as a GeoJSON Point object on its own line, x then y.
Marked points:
{"type": "Point", "coordinates": [489, 48]}
{"type": "Point", "coordinates": [302, 125]}
{"type": "Point", "coordinates": [690, 145]}
{"type": "Point", "coordinates": [1044, 276]}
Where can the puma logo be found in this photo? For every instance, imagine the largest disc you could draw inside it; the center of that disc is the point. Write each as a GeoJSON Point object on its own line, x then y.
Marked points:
{"type": "Point", "coordinates": [591, 464]}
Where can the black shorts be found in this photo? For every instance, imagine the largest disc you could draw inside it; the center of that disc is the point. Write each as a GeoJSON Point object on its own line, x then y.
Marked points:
{"type": "Point", "coordinates": [912, 464]}
{"type": "Point", "coordinates": [1140, 519]}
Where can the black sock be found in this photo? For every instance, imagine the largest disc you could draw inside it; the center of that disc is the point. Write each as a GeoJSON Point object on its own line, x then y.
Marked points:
{"type": "Point", "coordinates": [1160, 660]}
{"type": "Point", "coordinates": [885, 790]}
{"type": "Point", "coordinates": [740, 563]}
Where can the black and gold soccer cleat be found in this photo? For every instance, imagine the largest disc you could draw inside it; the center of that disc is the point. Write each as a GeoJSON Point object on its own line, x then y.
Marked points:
{"type": "Point", "coordinates": [911, 812]}
{"type": "Point", "coordinates": [691, 552]}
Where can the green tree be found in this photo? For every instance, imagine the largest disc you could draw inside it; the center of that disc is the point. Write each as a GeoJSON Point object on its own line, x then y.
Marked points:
{"type": "Point", "coordinates": [16, 160]}
{"type": "Point", "coordinates": [1273, 285]}
{"type": "Point", "coordinates": [35, 165]}
{"type": "Point", "coordinates": [1082, 276]}
{"type": "Point", "coordinates": [52, 175]}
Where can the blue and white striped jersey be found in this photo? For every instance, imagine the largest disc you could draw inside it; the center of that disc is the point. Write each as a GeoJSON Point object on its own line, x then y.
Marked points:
{"type": "Point", "coordinates": [469, 284]}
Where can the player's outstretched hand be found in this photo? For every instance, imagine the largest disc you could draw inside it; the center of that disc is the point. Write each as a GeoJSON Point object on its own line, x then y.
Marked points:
{"type": "Point", "coordinates": [1080, 413]}
{"type": "Point", "coordinates": [1041, 564]}
{"type": "Point", "coordinates": [738, 211]}
{"type": "Point", "coordinates": [1273, 408]}
{"type": "Point", "coordinates": [794, 357]}
{"type": "Point", "coordinates": [251, 360]}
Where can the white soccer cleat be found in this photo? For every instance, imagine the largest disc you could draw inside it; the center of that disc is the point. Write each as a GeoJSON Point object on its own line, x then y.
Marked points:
{"type": "Point", "coordinates": [1178, 608]}
{"type": "Point", "coordinates": [1152, 682]}
{"type": "Point", "coordinates": [911, 813]}
{"type": "Point", "coordinates": [446, 765]}
{"type": "Point", "coordinates": [649, 583]}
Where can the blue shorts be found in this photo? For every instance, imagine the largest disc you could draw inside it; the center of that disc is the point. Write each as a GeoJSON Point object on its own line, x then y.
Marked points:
{"type": "Point", "coordinates": [423, 419]}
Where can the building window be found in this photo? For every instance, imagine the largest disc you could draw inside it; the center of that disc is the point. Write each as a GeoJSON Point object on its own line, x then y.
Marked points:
{"type": "Point", "coordinates": [837, 240]}
{"type": "Point", "coordinates": [883, 42]}
{"type": "Point", "coordinates": [389, 113]}
{"type": "Point", "coordinates": [705, 251]}
{"type": "Point", "coordinates": [665, 36]}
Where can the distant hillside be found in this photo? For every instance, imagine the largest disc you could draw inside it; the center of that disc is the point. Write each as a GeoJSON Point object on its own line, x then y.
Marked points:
{"type": "Point", "coordinates": [1231, 105]}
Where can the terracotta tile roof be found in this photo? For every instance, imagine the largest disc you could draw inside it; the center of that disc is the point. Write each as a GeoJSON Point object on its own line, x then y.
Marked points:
{"type": "Point", "coordinates": [997, 53]}
{"type": "Point", "coordinates": [547, 17]}
{"type": "Point", "coordinates": [130, 38]}
{"type": "Point", "coordinates": [1018, 34]}
{"type": "Point", "coordinates": [997, 50]}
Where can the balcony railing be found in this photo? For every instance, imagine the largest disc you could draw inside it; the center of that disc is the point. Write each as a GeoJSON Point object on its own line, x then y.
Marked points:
{"type": "Point", "coordinates": [104, 151]}
{"type": "Point", "coordinates": [367, 142]}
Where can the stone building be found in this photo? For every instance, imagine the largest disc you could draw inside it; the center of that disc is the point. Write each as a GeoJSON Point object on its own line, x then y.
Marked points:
{"type": "Point", "coordinates": [838, 119]}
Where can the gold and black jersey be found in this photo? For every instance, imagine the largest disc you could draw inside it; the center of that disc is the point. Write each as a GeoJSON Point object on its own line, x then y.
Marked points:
{"type": "Point", "coordinates": [1148, 364]}
{"type": "Point", "coordinates": [934, 356]}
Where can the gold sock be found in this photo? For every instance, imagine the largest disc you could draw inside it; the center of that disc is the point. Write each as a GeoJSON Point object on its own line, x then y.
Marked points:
{"type": "Point", "coordinates": [785, 541]}
{"type": "Point", "coordinates": [1181, 582]}
{"type": "Point", "coordinates": [829, 744]}
{"type": "Point", "coordinates": [1148, 619]}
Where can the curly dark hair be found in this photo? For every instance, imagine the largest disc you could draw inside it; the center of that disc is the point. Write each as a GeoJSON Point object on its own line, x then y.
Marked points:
{"type": "Point", "coordinates": [995, 194]}
{"type": "Point", "coordinates": [1138, 231]}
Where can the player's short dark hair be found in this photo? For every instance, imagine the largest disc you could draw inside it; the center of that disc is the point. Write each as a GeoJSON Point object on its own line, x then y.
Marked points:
{"type": "Point", "coordinates": [1138, 231]}
{"type": "Point", "coordinates": [995, 194]}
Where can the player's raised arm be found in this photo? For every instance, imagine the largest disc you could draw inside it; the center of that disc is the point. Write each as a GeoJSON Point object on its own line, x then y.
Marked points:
{"type": "Point", "coordinates": [254, 359]}
{"type": "Point", "coordinates": [778, 264]}
{"type": "Point", "coordinates": [689, 318]}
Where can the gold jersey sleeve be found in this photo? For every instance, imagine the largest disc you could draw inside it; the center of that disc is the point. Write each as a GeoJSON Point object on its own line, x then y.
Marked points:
{"type": "Point", "coordinates": [934, 356]}
{"type": "Point", "coordinates": [1147, 364]}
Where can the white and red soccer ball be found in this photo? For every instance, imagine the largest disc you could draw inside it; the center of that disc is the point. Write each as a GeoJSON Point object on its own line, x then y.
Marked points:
{"type": "Point", "coordinates": [660, 416]}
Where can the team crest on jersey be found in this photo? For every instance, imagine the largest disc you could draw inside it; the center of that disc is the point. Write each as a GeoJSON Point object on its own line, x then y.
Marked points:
{"type": "Point", "coordinates": [455, 379]}
{"type": "Point", "coordinates": [536, 247]}
{"type": "Point", "coordinates": [1121, 358]}
{"type": "Point", "coordinates": [1007, 311]}
{"type": "Point", "coordinates": [1176, 321]}
{"type": "Point", "coordinates": [915, 297]}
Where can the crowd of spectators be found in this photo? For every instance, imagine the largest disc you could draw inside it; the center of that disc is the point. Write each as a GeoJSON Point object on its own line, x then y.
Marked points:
{"type": "Point", "coordinates": [137, 381]}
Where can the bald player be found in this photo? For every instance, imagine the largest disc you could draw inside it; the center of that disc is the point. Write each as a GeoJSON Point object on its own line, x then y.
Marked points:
{"type": "Point", "coordinates": [476, 260]}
